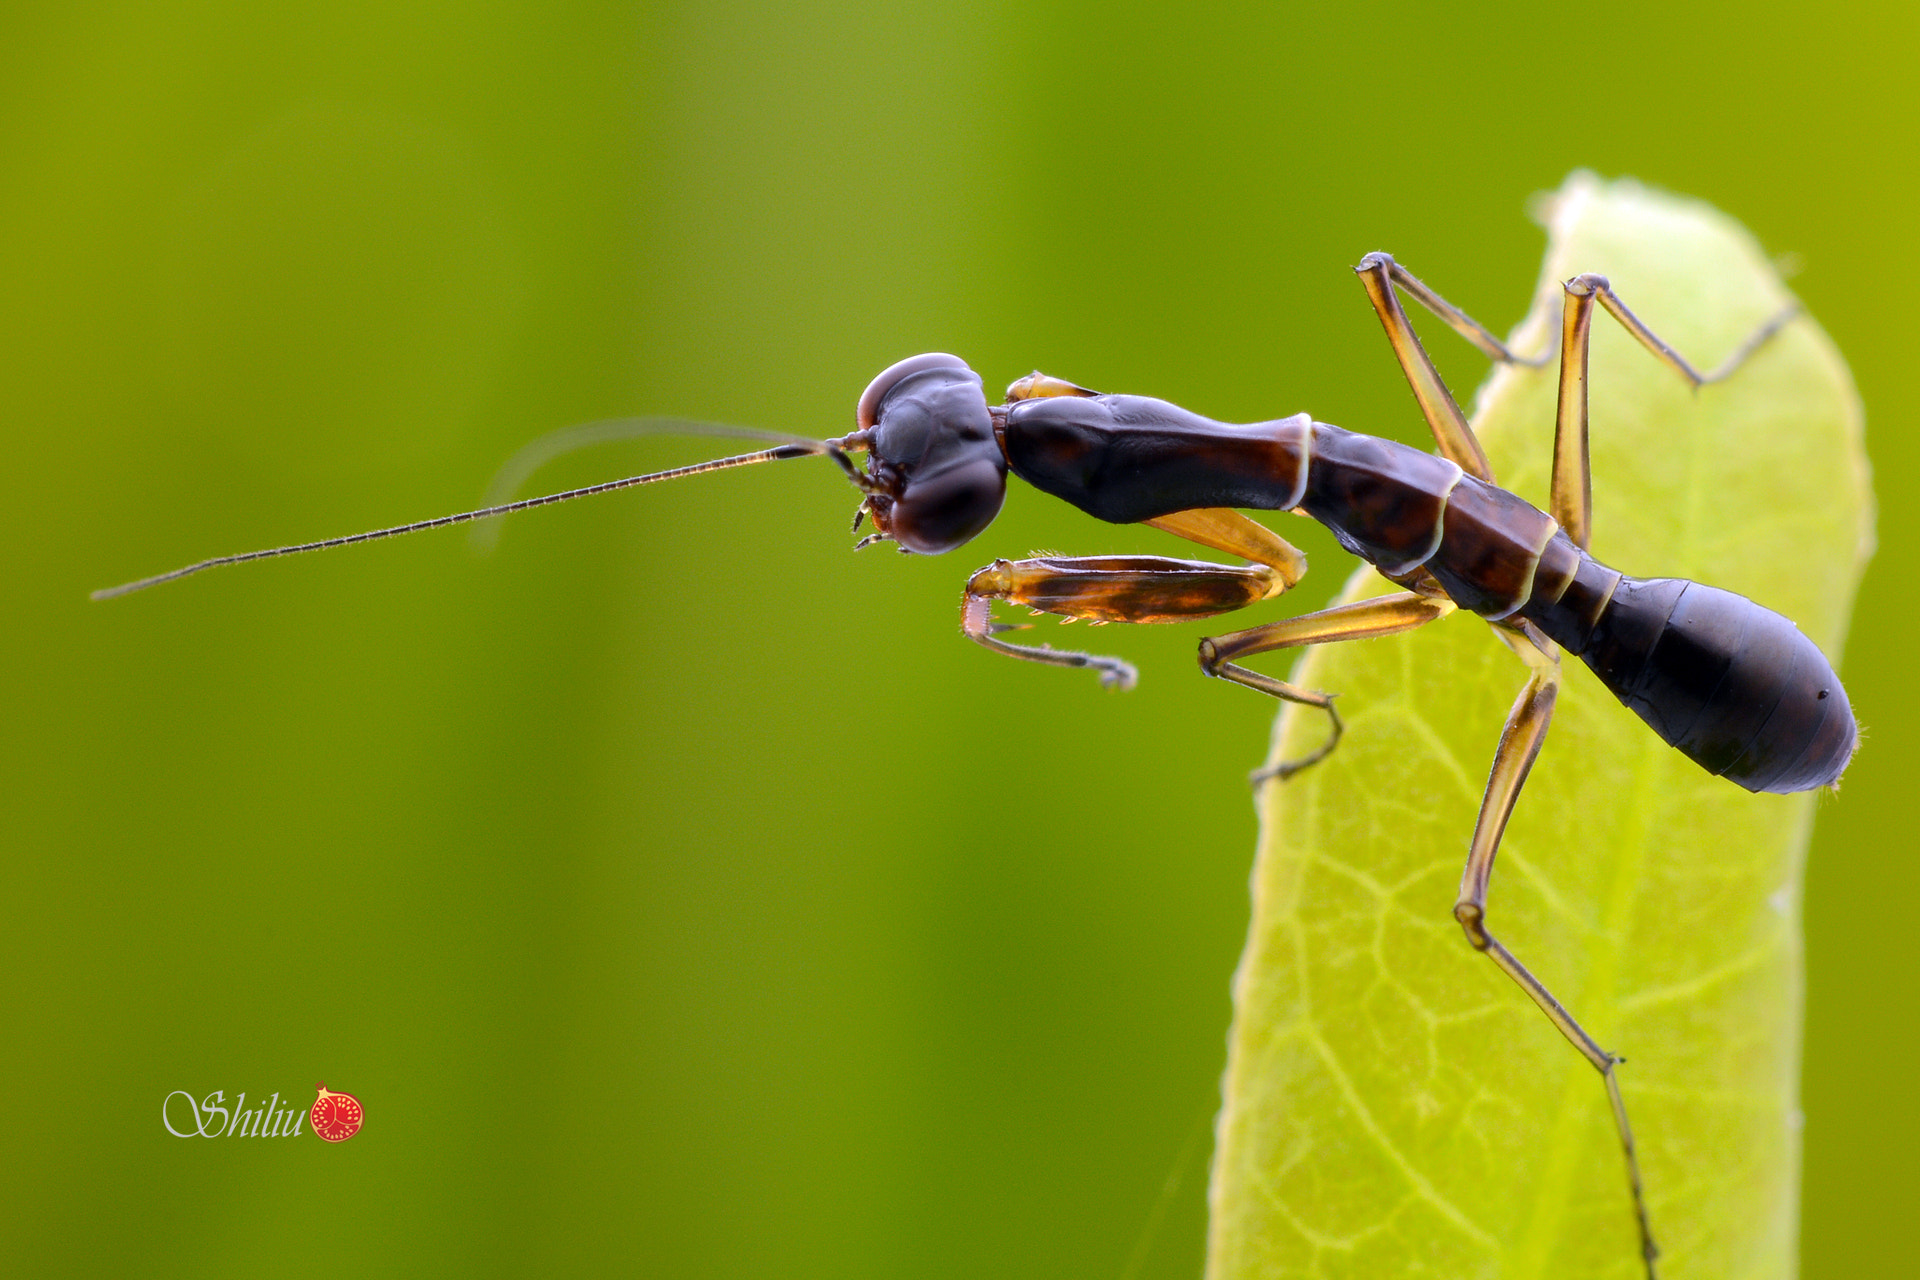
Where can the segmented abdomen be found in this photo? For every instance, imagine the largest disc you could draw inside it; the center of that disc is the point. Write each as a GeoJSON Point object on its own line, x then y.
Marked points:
{"type": "Point", "coordinates": [1735, 686]}
{"type": "Point", "coordinates": [1732, 684]}
{"type": "Point", "coordinates": [1404, 510]}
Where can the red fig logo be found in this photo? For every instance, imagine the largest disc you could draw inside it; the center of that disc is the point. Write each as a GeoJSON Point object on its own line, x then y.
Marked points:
{"type": "Point", "coordinates": [335, 1116]}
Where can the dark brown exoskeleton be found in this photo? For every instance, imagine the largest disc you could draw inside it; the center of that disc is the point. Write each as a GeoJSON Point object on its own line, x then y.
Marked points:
{"type": "Point", "coordinates": [1733, 685]}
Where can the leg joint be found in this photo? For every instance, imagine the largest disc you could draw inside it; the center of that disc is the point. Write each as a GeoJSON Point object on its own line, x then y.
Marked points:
{"type": "Point", "coordinates": [1472, 919]}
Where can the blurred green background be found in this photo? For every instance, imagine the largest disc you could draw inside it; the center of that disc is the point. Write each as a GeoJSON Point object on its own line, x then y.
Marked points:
{"type": "Point", "coordinates": [680, 894]}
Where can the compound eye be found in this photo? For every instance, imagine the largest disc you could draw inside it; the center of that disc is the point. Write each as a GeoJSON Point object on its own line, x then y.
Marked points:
{"type": "Point", "coordinates": [940, 511]}
{"type": "Point", "coordinates": [868, 411]}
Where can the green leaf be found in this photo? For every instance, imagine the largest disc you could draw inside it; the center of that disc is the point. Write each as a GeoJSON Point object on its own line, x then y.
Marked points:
{"type": "Point", "coordinates": [1394, 1105]}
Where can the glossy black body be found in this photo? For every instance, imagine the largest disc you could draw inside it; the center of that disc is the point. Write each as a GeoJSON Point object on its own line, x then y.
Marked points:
{"type": "Point", "coordinates": [1732, 684]}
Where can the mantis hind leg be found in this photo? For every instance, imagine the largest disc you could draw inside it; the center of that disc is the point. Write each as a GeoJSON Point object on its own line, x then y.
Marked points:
{"type": "Point", "coordinates": [1520, 742]}
{"type": "Point", "coordinates": [1385, 279]}
{"type": "Point", "coordinates": [1572, 491]}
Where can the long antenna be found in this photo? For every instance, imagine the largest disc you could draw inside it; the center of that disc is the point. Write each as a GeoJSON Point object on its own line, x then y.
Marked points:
{"type": "Point", "coordinates": [799, 448]}
{"type": "Point", "coordinates": [541, 450]}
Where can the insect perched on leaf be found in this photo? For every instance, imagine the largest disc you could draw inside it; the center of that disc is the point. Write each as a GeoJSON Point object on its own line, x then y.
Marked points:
{"type": "Point", "coordinates": [1735, 686]}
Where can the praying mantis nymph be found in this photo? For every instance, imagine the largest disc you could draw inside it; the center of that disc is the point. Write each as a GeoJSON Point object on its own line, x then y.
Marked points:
{"type": "Point", "coordinates": [1736, 686]}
